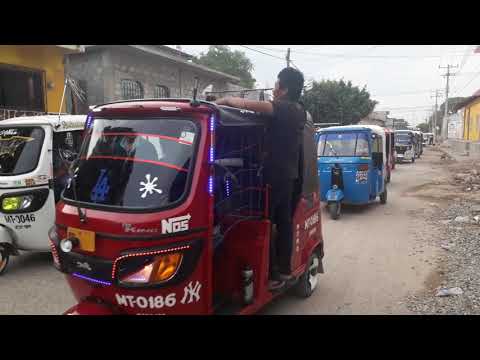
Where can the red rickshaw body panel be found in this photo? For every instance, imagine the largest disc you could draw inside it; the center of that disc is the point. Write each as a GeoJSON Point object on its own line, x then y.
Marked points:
{"type": "Point", "coordinates": [112, 239]}
{"type": "Point", "coordinates": [120, 235]}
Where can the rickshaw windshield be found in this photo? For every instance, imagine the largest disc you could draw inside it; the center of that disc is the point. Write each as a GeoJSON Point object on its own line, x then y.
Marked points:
{"type": "Point", "coordinates": [403, 138]}
{"type": "Point", "coordinates": [343, 144]}
{"type": "Point", "coordinates": [135, 164]}
{"type": "Point", "coordinates": [20, 149]}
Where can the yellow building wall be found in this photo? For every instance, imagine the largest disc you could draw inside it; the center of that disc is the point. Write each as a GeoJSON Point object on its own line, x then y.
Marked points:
{"type": "Point", "coordinates": [472, 121]}
{"type": "Point", "coordinates": [49, 58]}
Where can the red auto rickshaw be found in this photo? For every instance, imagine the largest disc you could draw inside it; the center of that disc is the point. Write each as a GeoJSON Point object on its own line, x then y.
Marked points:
{"type": "Point", "coordinates": [391, 153]}
{"type": "Point", "coordinates": [166, 212]}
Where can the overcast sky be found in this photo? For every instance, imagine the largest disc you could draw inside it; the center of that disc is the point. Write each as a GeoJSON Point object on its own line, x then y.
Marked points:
{"type": "Point", "coordinates": [402, 78]}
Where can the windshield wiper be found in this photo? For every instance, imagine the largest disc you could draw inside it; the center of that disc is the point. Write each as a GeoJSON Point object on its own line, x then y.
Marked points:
{"type": "Point", "coordinates": [332, 149]}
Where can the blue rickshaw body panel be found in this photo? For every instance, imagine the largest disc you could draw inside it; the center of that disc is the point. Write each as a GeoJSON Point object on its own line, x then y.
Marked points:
{"type": "Point", "coordinates": [353, 192]}
{"type": "Point", "coordinates": [359, 186]}
{"type": "Point", "coordinates": [334, 195]}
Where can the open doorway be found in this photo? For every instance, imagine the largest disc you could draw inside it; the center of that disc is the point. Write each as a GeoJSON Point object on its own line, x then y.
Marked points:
{"type": "Point", "coordinates": [22, 88]}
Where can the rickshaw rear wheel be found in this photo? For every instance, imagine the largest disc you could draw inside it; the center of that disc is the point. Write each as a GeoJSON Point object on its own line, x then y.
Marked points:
{"type": "Point", "coordinates": [4, 258]}
{"type": "Point", "coordinates": [413, 159]}
{"type": "Point", "coordinates": [307, 283]}
{"type": "Point", "coordinates": [334, 209]}
{"type": "Point", "coordinates": [383, 196]}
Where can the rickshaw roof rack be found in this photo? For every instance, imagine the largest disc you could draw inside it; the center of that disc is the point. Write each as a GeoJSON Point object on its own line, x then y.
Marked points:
{"type": "Point", "coordinates": [375, 128]}
{"type": "Point", "coordinates": [228, 116]}
{"type": "Point", "coordinates": [67, 122]}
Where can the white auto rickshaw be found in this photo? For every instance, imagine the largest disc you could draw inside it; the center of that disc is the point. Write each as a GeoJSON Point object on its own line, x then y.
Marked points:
{"type": "Point", "coordinates": [35, 154]}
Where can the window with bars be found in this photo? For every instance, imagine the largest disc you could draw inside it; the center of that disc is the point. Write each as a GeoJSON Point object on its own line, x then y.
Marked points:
{"type": "Point", "coordinates": [131, 89]}
{"type": "Point", "coordinates": [161, 92]}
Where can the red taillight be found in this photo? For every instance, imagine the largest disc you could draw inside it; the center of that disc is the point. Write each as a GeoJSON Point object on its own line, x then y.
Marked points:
{"type": "Point", "coordinates": [362, 167]}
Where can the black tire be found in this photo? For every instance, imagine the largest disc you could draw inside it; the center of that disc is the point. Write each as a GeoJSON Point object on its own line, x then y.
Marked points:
{"type": "Point", "coordinates": [384, 195]}
{"type": "Point", "coordinates": [388, 177]}
{"type": "Point", "coordinates": [308, 282]}
{"type": "Point", "coordinates": [4, 258]}
{"type": "Point", "coordinates": [334, 209]}
{"type": "Point", "coordinates": [413, 159]}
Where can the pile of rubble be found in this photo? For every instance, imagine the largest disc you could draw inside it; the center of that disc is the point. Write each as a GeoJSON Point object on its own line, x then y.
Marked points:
{"type": "Point", "coordinates": [470, 180]}
{"type": "Point", "coordinates": [459, 290]}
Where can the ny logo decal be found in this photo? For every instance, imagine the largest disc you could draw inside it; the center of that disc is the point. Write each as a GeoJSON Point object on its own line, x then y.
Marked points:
{"type": "Point", "coordinates": [191, 292]}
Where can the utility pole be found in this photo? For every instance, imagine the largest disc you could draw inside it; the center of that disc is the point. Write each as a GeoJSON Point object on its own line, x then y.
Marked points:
{"type": "Point", "coordinates": [437, 94]}
{"type": "Point", "coordinates": [447, 75]}
{"type": "Point", "coordinates": [288, 57]}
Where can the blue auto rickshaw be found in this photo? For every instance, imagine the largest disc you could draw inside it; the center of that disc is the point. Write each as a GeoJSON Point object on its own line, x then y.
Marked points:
{"type": "Point", "coordinates": [351, 165]}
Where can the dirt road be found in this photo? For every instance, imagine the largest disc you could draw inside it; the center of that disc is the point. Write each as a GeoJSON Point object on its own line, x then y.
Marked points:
{"type": "Point", "coordinates": [376, 255]}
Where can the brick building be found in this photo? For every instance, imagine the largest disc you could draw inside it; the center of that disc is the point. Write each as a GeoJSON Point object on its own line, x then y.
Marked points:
{"type": "Point", "coordinates": [119, 72]}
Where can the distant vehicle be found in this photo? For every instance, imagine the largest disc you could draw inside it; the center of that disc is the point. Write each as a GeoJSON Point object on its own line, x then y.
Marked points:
{"type": "Point", "coordinates": [418, 143]}
{"type": "Point", "coordinates": [35, 154]}
{"type": "Point", "coordinates": [428, 138]}
{"type": "Point", "coordinates": [405, 145]}
{"type": "Point", "coordinates": [352, 164]}
{"type": "Point", "coordinates": [391, 154]}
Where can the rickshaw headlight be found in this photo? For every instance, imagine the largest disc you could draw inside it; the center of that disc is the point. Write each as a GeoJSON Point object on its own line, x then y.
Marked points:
{"type": "Point", "coordinates": [17, 202]}
{"type": "Point", "coordinates": [161, 269]}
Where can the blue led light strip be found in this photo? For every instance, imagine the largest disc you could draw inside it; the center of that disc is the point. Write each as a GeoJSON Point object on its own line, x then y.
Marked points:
{"type": "Point", "coordinates": [211, 152]}
{"type": "Point", "coordinates": [210, 184]}
{"type": "Point", "coordinates": [106, 283]}
{"type": "Point", "coordinates": [89, 121]}
{"type": "Point", "coordinates": [212, 123]}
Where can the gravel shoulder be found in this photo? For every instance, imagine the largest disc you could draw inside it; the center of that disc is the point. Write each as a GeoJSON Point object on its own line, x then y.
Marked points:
{"type": "Point", "coordinates": [454, 286]}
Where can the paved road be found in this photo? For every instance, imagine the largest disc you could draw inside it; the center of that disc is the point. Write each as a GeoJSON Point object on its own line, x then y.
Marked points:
{"type": "Point", "coordinates": [369, 263]}
{"type": "Point", "coordinates": [374, 255]}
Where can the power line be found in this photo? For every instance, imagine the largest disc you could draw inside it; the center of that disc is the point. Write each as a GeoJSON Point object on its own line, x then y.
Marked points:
{"type": "Point", "coordinates": [467, 54]}
{"type": "Point", "coordinates": [295, 66]}
{"type": "Point", "coordinates": [405, 107]}
{"type": "Point", "coordinates": [261, 52]}
{"type": "Point", "coordinates": [349, 55]}
{"type": "Point", "coordinates": [404, 93]}
{"type": "Point", "coordinates": [476, 72]}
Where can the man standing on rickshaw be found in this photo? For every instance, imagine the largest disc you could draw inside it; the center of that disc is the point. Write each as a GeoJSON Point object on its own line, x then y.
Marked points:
{"type": "Point", "coordinates": [281, 165]}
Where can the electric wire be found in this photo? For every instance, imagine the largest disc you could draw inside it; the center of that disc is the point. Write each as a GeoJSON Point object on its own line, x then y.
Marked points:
{"type": "Point", "coordinates": [261, 52]}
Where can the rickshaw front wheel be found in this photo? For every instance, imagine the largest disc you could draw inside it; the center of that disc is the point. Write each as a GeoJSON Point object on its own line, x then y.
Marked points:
{"type": "Point", "coordinates": [307, 283]}
{"type": "Point", "coordinates": [4, 257]}
{"type": "Point", "coordinates": [334, 209]}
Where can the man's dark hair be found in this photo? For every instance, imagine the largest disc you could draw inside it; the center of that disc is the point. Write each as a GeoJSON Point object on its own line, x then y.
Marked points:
{"type": "Point", "coordinates": [291, 79]}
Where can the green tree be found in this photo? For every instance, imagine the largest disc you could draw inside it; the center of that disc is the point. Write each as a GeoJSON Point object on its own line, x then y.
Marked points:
{"type": "Point", "coordinates": [337, 101]}
{"type": "Point", "coordinates": [236, 63]}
